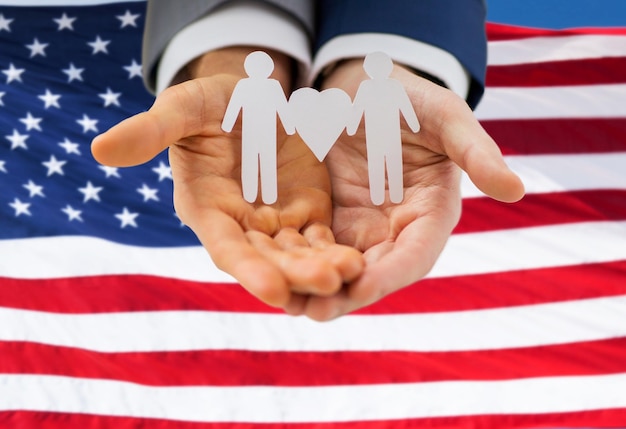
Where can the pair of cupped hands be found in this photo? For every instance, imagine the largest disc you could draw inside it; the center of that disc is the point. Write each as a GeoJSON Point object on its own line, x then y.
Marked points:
{"type": "Point", "coordinates": [323, 249]}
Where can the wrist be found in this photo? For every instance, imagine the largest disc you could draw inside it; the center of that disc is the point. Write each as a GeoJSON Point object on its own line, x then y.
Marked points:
{"type": "Point", "coordinates": [230, 61]}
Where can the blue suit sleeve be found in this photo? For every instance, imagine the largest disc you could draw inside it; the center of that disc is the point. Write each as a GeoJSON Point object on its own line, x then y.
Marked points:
{"type": "Point", "coordinates": [457, 27]}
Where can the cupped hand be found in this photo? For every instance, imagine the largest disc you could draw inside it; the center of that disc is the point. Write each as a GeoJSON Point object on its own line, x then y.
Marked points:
{"type": "Point", "coordinates": [401, 242]}
{"type": "Point", "coordinates": [281, 253]}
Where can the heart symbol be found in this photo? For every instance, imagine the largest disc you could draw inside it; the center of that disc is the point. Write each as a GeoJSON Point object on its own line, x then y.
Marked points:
{"type": "Point", "coordinates": [320, 117]}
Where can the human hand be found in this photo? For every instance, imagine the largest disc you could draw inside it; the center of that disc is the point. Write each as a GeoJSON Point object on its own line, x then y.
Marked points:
{"type": "Point", "coordinates": [280, 253]}
{"type": "Point", "coordinates": [401, 242]}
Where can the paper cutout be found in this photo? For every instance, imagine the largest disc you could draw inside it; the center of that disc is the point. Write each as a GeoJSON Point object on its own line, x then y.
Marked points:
{"type": "Point", "coordinates": [320, 118]}
{"type": "Point", "coordinates": [380, 101]}
{"type": "Point", "coordinates": [259, 99]}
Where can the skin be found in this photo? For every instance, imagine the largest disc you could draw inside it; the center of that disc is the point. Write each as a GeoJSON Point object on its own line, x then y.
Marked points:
{"type": "Point", "coordinates": [323, 250]}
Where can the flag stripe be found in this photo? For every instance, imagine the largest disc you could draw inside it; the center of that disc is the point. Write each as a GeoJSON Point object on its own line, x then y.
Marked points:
{"type": "Point", "coordinates": [498, 32]}
{"type": "Point", "coordinates": [471, 253]}
{"type": "Point", "coordinates": [606, 418]}
{"type": "Point", "coordinates": [559, 73]}
{"type": "Point", "coordinates": [541, 247]}
{"type": "Point", "coordinates": [63, 2]}
{"type": "Point", "coordinates": [557, 48]}
{"type": "Point", "coordinates": [519, 324]}
{"type": "Point", "coordinates": [485, 214]}
{"type": "Point", "coordinates": [207, 367]}
{"type": "Point", "coordinates": [301, 404]}
{"type": "Point", "coordinates": [52, 255]}
{"type": "Point", "coordinates": [558, 136]}
{"type": "Point", "coordinates": [558, 173]}
{"type": "Point", "coordinates": [105, 294]}
{"type": "Point", "coordinates": [585, 101]}
{"type": "Point", "coordinates": [534, 325]}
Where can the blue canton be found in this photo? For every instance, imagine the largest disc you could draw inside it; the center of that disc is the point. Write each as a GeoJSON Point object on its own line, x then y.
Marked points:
{"type": "Point", "coordinates": [66, 75]}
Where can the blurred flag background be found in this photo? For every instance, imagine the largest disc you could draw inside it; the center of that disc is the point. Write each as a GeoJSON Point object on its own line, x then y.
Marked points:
{"type": "Point", "coordinates": [112, 315]}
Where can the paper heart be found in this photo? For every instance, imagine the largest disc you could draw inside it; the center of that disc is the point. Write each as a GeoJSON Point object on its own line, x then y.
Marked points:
{"type": "Point", "coordinates": [320, 117]}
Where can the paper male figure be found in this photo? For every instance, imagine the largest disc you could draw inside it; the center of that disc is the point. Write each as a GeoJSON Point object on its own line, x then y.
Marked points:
{"type": "Point", "coordinates": [381, 100]}
{"type": "Point", "coordinates": [259, 99]}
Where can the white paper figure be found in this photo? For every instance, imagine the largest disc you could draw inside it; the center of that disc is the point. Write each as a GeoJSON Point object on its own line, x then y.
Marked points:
{"type": "Point", "coordinates": [259, 99]}
{"type": "Point", "coordinates": [320, 117]}
{"type": "Point", "coordinates": [381, 100]}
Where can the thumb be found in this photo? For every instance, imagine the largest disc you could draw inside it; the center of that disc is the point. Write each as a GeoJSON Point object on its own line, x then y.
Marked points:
{"type": "Point", "coordinates": [178, 112]}
{"type": "Point", "coordinates": [467, 143]}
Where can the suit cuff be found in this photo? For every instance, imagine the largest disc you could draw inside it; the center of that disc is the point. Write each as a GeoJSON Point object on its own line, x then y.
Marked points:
{"type": "Point", "coordinates": [403, 50]}
{"type": "Point", "coordinates": [235, 24]}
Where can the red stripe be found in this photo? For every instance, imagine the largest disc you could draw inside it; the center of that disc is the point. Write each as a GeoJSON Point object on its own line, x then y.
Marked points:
{"type": "Point", "coordinates": [497, 32]}
{"type": "Point", "coordinates": [117, 294]}
{"type": "Point", "coordinates": [558, 136]}
{"type": "Point", "coordinates": [506, 289]}
{"type": "Point", "coordinates": [481, 291]}
{"type": "Point", "coordinates": [485, 214]}
{"type": "Point", "coordinates": [595, 71]}
{"type": "Point", "coordinates": [125, 293]}
{"type": "Point", "coordinates": [608, 418]}
{"type": "Point", "coordinates": [240, 367]}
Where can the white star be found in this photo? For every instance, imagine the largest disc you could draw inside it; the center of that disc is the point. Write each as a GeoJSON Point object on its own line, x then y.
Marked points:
{"type": "Point", "coordinates": [31, 122]}
{"type": "Point", "coordinates": [69, 146]}
{"type": "Point", "coordinates": [163, 171]}
{"type": "Point", "coordinates": [88, 124]}
{"type": "Point", "coordinates": [72, 214]}
{"type": "Point", "coordinates": [65, 22]}
{"type": "Point", "coordinates": [148, 193]}
{"type": "Point", "coordinates": [13, 73]}
{"type": "Point", "coordinates": [33, 189]}
{"type": "Point", "coordinates": [90, 192]}
{"type": "Point", "coordinates": [134, 69]}
{"type": "Point", "coordinates": [128, 19]}
{"type": "Point", "coordinates": [109, 171]}
{"type": "Point", "coordinates": [2, 94]}
{"type": "Point", "coordinates": [73, 73]}
{"type": "Point", "coordinates": [54, 166]}
{"type": "Point", "coordinates": [99, 45]}
{"type": "Point", "coordinates": [37, 48]}
{"type": "Point", "coordinates": [2, 168]}
{"type": "Point", "coordinates": [20, 207]}
{"type": "Point", "coordinates": [180, 221]}
{"type": "Point", "coordinates": [50, 99]}
{"type": "Point", "coordinates": [4, 23]}
{"type": "Point", "coordinates": [110, 97]}
{"type": "Point", "coordinates": [17, 140]}
{"type": "Point", "coordinates": [127, 218]}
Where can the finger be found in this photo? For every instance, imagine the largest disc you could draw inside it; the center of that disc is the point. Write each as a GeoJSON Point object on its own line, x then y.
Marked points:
{"type": "Point", "coordinates": [296, 304]}
{"type": "Point", "coordinates": [290, 239]}
{"type": "Point", "coordinates": [305, 270]}
{"type": "Point", "coordinates": [232, 252]}
{"type": "Point", "coordinates": [348, 261]}
{"type": "Point", "coordinates": [390, 266]}
{"type": "Point", "coordinates": [469, 146]}
{"type": "Point", "coordinates": [177, 113]}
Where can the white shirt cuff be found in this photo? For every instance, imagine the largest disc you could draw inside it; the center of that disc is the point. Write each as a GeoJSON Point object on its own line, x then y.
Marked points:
{"type": "Point", "coordinates": [240, 23]}
{"type": "Point", "coordinates": [402, 50]}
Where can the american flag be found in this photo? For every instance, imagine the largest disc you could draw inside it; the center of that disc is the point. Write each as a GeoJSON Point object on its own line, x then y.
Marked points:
{"type": "Point", "coordinates": [112, 315]}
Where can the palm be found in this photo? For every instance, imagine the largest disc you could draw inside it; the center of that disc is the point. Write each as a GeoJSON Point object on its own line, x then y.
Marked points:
{"type": "Point", "coordinates": [278, 252]}
{"type": "Point", "coordinates": [401, 242]}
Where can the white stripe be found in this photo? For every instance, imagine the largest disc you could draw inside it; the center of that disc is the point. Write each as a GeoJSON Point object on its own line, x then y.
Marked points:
{"type": "Point", "coordinates": [562, 48]}
{"type": "Point", "coordinates": [486, 329]}
{"type": "Point", "coordinates": [267, 404]}
{"type": "Point", "coordinates": [76, 256]}
{"type": "Point", "coordinates": [475, 253]}
{"type": "Point", "coordinates": [62, 2]}
{"type": "Point", "coordinates": [561, 173]}
{"type": "Point", "coordinates": [532, 248]}
{"type": "Point", "coordinates": [590, 101]}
